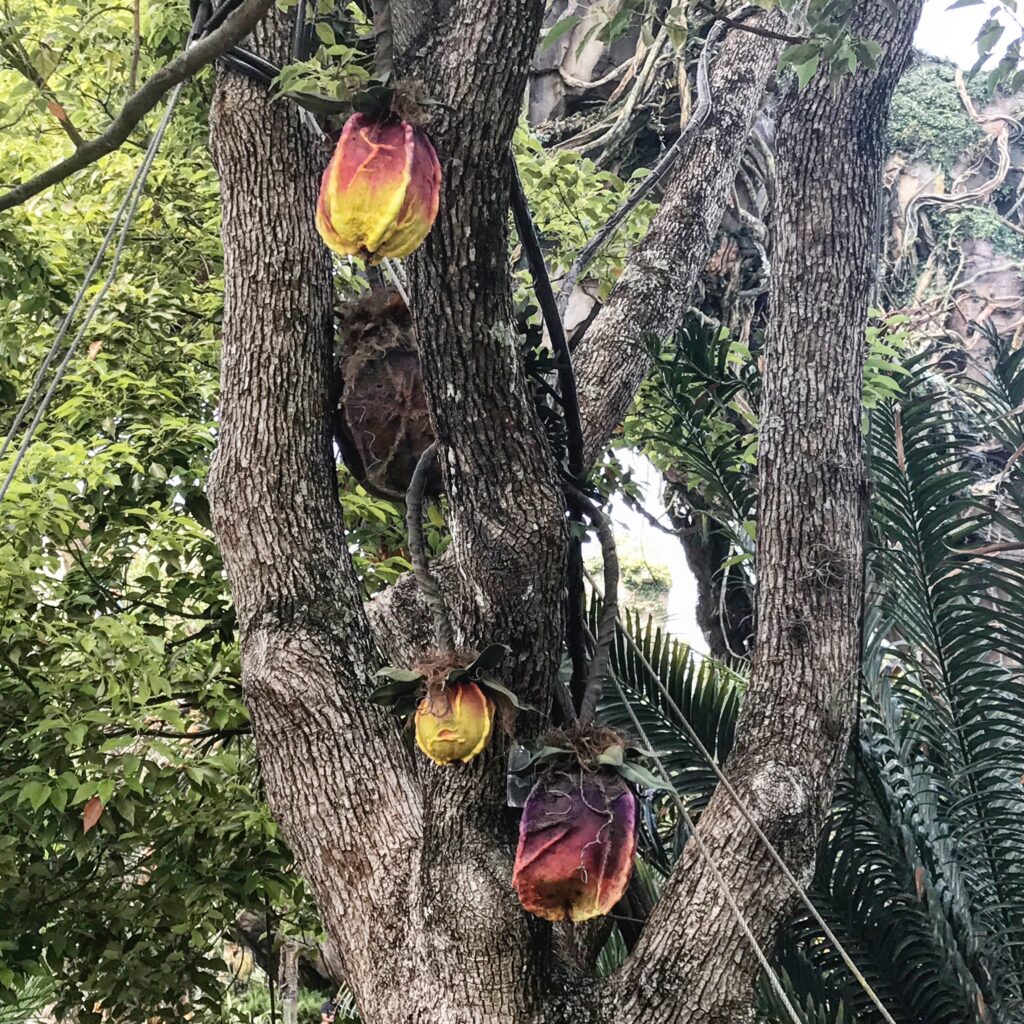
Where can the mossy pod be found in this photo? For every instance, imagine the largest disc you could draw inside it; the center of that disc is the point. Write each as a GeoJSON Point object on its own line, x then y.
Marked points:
{"type": "Point", "coordinates": [380, 192]}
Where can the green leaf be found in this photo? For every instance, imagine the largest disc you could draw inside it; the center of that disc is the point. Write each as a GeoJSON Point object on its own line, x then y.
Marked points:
{"type": "Point", "coordinates": [403, 675]}
{"type": "Point", "coordinates": [489, 659]}
{"type": "Point", "coordinates": [504, 693]}
{"type": "Point", "coordinates": [35, 792]}
{"type": "Point", "coordinates": [805, 72]}
{"type": "Point", "coordinates": [641, 777]}
{"type": "Point", "coordinates": [613, 755]}
{"type": "Point", "coordinates": [394, 691]}
{"type": "Point", "coordinates": [559, 29]}
{"type": "Point", "coordinates": [800, 53]}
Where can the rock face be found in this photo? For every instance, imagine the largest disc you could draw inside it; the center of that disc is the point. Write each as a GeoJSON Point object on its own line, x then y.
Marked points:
{"type": "Point", "coordinates": [956, 234]}
{"type": "Point", "coordinates": [955, 227]}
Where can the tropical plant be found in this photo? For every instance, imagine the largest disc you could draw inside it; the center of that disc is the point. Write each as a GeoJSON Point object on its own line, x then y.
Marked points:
{"type": "Point", "coordinates": [920, 866]}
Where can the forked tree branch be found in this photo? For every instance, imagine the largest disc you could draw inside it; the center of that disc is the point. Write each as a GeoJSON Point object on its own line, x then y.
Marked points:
{"type": "Point", "coordinates": [352, 805]}
{"type": "Point", "coordinates": [655, 287]}
{"type": "Point", "coordinates": [235, 28]}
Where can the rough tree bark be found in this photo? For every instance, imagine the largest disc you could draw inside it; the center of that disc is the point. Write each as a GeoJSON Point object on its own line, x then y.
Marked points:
{"type": "Point", "coordinates": [335, 771]}
{"type": "Point", "coordinates": [726, 620]}
{"type": "Point", "coordinates": [656, 285]}
{"type": "Point", "coordinates": [410, 864]}
{"type": "Point", "coordinates": [792, 734]}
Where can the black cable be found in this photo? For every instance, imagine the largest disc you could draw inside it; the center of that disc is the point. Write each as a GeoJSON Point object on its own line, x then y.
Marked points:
{"type": "Point", "coordinates": [567, 399]}
{"type": "Point", "coordinates": [553, 321]}
{"type": "Point", "coordinates": [300, 39]}
{"type": "Point", "coordinates": [575, 619]}
{"type": "Point", "coordinates": [247, 63]}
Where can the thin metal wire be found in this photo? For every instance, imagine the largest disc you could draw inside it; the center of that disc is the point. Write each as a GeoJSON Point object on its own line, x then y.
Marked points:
{"type": "Point", "coordinates": [127, 210]}
{"type": "Point", "coordinates": [745, 811]}
{"type": "Point", "coordinates": [396, 279]}
{"type": "Point", "coordinates": [702, 849]}
{"type": "Point", "coordinates": [65, 324]}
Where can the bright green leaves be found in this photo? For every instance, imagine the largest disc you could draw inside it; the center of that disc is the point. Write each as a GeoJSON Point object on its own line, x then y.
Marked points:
{"type": "Point", "coordinates": [571, 199]}
{"type": "Point", "coordinates": [132, 825]}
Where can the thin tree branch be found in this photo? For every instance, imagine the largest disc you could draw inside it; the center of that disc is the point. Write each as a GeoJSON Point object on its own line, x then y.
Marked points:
{"type": "Point", "coordinates": [203, 52]}
{"type": "Point", "coordinates": [173, 734]}
{"type": "Point", "coordinates": [20, 60]}
{"type": "Point", "coordinates": [754, 30]}
{"type": "Point", "coordinates": [208, 630]}
{"type": "Point", "coordinates": [700, 113]}
{"type": "Point", "coordinates": [133, 602]}
{"type": "Point", "coordinates": [991, 549]}
{"type": "Point", "coordinates": [609, 609]}
{"type": "Point", "coordinates": [133, 73]}
{"type": "Point", "coordinates": [418, 550]}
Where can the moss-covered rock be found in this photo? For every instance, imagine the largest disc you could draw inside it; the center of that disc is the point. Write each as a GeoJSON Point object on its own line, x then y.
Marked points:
{"type": "Point", "coordinates": [928, 120]}
{"type": "Point", "coordinates": [973, 222]}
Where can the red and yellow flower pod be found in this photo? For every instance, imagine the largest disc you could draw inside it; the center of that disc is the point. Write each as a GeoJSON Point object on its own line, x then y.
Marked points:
{"type": "Point", "coordinates": [577, 839]}
{"type": "Point", "coordinates": [380, 192]}
{"type": "Point", "coordinates": [454, 723]}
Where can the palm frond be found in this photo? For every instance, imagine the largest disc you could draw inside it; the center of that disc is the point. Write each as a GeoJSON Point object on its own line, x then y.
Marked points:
{"type": "Point", "coordinates": [683, 685]}
{"type": "Point", "coordinates": [954, 652]}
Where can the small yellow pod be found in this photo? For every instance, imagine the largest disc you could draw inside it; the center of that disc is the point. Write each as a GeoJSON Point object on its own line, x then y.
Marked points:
{"type": "Point", "coordinates": [454, 723]}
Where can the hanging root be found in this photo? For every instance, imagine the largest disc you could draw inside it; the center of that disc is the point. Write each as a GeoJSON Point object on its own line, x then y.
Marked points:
{"type": "Point", "coordinates": [609, 611]}
{"type": "Point", "coordinates": [443, 633]}
{"type": "Point", "coordinates": [697, 118]}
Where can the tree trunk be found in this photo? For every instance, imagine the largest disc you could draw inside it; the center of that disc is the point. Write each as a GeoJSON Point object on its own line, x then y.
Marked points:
{"type": "Point", "coordinates": [410, 864]}
{"type": "Point", "coordinates": [726, 619]}
{"type": "Point", "coordinates": [793, 730]}
{"type": "Point", "coordinates": [657, 283]}
{"type": "Point", "coordinates": [335, 770]}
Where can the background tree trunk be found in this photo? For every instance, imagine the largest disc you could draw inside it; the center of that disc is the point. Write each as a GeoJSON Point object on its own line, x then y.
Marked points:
{"type": "Point", "coordinates": [693, 963]}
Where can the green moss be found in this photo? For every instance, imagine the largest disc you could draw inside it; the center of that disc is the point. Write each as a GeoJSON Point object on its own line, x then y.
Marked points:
{"type": "Point", "coordinates": [928, 119]}
{"type": "Point", "coordinates": [979, 222]}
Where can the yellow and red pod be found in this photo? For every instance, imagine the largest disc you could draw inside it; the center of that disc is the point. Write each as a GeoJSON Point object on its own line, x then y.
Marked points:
{"type": "Point", "coordinates": [577, 839]}
{"type": "Point", "coordinates": [454, 723]}
{"type": "Point", "coordinates": [380, 192]}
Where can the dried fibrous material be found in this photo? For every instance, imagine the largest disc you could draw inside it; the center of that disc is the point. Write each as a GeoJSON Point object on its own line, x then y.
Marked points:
{"type": "Point", "coordinates": [383, 424]}
{"type": "Point", "coordinates": [577, 840]}
{"type": "Point", "coordinates": [380, 192]}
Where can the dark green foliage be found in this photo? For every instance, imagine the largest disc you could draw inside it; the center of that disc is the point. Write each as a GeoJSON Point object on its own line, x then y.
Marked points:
{"type": "Point", "coordinates": [920, 868]}
{"type": "Point", "coordinates": [928, 120]}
